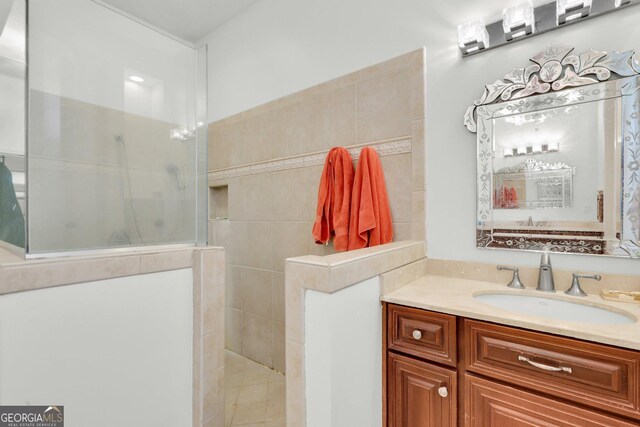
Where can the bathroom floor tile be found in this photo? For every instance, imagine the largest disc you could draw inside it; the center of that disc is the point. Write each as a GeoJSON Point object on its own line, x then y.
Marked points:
{"type": "Point", "coordinates": [254, 394]}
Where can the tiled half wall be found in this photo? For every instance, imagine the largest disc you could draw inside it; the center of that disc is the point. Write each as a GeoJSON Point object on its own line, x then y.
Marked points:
{"type": "Point", "coordinates": [270, 159]}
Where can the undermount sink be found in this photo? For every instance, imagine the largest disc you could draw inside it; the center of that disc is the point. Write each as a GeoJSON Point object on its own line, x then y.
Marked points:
{"type": "Point", "coordinates": [552, 308]}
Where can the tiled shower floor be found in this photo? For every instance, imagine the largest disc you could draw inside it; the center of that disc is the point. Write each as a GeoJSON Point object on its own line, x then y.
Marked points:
{"type": "Point", "coordinates": [254, 395]}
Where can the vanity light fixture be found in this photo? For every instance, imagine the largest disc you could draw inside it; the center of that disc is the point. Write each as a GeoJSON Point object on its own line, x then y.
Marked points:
{"type": "Point", "coordinates": [550, 147]}
{"type": "Point", "coordinates": [472, 36]}
{"type": "Point", "coordinates": [568, 10]}
{"type": "Point", "coordinates": [528, 19]}
{"type": "Point", "coordinates": [181, 134]}
{"type": "Point", "coordinates": [518, 21]}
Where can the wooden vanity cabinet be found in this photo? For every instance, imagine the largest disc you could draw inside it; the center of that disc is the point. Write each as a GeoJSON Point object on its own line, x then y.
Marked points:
{"type": "Point", "coordinates": [421, 380]}
{"type": "Point", "coordinates": [444, 371]}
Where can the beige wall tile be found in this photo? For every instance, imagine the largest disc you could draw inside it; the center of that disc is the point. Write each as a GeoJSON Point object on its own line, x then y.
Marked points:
{"type": "Point", "coordinates": [291, 130]}
{"type": "Point", "coordinates": [395, 279]}
{"type": "Point", "coordinates": [223, 235]}
{"type": "Point", "coordinates": [233, 294]}
{"type": "Point", "coordinates": [257, 339]}
{"type": "Point", "coordinates": [384, 106]}
{"type": "Point", "coordinates": [197, 407]}
{"type": "Point", "coordinates": [56, 273]}
{"type": "Point", "coordinates": [251, 198]}
{"type": "Point", "coordinates": [295, 389]}
{"type": "Point", "coordinates": [257, 137]}
{"type": "Point", "coordinates": [277, 298]}
{"type": "Point", "coordinates": [251, 245]}
{"type": "Point", "coordinates": [233, 332]}
{"type": "Point", "coordinates": [321, 250]}
{"type": "Point", "coordinates": [401, 231]}
{"type": "Point", "coordinates": [256, 292]}
{"type": "Point", "coordinates": [163, 261]}
{"type": "Point", "coordinates": [210, 374]}
{"type": "Point", "coordinates": [332, 119]}
{"type": "Point", "coordinates": [278, 347]}
{"type": "Point", "coordinates": [398, 185]}
{"type": "Point", "coordinates": [418, 216]}
{"type": "Point", "coordinates": [418, 84]}
{"type": "Point", "coordinates": [290, 239]}
{"type": "Point", "coordinates": [398, 63]}
{"type": "Point", "coordinates": [418, 156]}
{"type": "Point", "coordinates": [295, 194]}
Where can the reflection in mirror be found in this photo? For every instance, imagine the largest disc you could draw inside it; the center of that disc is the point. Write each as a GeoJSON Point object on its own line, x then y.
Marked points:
{"type": "Point", "coordinates": [559, 155]}
{"type": "Point", "coordinates": [12, 125]}
{"type": "Point", "coordinates": [552, 177]}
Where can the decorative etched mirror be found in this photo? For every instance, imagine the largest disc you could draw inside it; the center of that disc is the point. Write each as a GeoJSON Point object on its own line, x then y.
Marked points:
{"type": "Point", "coordinates": [559, 155]}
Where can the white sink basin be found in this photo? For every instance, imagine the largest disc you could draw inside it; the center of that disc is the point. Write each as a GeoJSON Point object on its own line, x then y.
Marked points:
{"type": "Point", "coordinates": [555, 309]}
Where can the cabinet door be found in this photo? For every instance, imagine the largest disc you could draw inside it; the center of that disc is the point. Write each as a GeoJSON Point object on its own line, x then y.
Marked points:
{"type": "Point", "coordinates": [420, 394]}
{"type": "Point", "coordinates": [490, 404]}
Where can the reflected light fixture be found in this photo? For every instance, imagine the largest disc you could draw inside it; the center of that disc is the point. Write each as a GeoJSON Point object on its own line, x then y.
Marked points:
{"type": "Point", "coordinates": [519, 20]}
{"type": "Point", "coordinates": [473, 36]}
{"type": "Point", "coordinates": [568, 10]}
{"type": "Point", "coordinates": [136, 79]}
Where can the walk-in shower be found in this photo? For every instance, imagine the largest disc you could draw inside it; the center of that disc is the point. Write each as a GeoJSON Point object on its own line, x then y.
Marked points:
{"type": "Point", "coordinates": [105, 166]}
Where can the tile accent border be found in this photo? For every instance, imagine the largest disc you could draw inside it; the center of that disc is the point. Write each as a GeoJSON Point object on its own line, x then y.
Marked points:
{"type": "Point", "coordinates": [384, 148]}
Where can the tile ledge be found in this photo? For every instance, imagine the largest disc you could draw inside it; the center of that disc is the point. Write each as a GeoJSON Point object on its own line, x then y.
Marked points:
{"type": "Point", "coordinates": [345, 258]}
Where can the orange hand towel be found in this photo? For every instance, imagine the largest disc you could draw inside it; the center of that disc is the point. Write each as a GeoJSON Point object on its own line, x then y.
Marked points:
{"type": "Point", "coordinates": [334, 199]}
{"type": "Point", "coordinates": [371, 222]}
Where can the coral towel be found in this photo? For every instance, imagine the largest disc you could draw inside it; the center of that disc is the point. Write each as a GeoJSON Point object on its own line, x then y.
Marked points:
{"type": "Point", "coordinates": [370, 223]}
{"type": "Point", "coordinates": [334, 199]}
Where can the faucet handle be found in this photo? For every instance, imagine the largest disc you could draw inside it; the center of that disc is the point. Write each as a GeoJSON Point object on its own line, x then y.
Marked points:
{"type": "Point", "coordinates": [575, 288]}
{"type": "Point", "coordinates": [515, 280]}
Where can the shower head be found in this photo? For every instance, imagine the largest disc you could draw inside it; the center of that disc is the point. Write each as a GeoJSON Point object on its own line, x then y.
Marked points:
{"type": "Point", "coordinates": [175, 172]}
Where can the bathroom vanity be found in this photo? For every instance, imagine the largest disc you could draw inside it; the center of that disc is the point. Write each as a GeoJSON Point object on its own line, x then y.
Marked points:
{"type": "Point", "coordinates": [451, 360]}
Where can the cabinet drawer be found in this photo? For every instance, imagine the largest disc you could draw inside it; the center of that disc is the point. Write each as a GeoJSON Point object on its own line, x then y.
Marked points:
{"type": "Point", "coordinates": [586, 373]}
{"type": "Point", "coordinates": [424, 334]}
{"type": "Point", "coordinates": [489, 404]}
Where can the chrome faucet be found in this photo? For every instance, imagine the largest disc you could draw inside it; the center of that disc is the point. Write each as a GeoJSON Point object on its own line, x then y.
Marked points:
{"type": "Point", "coordinates": [515, 280]}
{"type": "Point", "coordinates": [545, 274]}
{"type": "Point", "coordinates": [575, 288]}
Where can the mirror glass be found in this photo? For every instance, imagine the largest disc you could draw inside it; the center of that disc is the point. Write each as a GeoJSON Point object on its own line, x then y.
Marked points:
{"type": "Point", "coordinates": [556, 177]}
{"type": "Point", "coordinates": [553, 177]}
{"type": "Point", "coordinates": [12, 125]}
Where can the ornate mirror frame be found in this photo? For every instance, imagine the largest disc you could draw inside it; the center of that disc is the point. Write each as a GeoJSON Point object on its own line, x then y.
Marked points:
{"type": "Point", "coordinates": [558, 79]}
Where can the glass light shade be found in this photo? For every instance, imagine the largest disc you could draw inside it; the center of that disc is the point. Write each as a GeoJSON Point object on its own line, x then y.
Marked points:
{"type": "Point", "coordinates": [520, 16]}
{"type": "Point", "coordinates": [567, 10]}
{"type": "Point", "coordinates": [473, 33]}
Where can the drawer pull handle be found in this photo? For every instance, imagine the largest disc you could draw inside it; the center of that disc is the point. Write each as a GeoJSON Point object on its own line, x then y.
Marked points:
{"type": "Point", "coordinates": [443, 392]}
{"type": "Point", "coordinates": [543, 366]}
{"type": "Point", "coordinates": [417, 335]}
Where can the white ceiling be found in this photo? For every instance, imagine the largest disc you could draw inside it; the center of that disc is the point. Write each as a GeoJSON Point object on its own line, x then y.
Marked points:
{"type": "Point", "coordinates": [188, 19]}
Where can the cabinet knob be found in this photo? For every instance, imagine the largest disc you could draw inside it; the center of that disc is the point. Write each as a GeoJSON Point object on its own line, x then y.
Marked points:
{"type": "Point", "coordinates": [417, 334]}
{"type": "Point", "coordinates": [443, 392]}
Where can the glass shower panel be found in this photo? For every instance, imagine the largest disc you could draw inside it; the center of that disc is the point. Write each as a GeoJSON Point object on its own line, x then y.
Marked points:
{"type": "Point", "coordinates": [112, 131]}
{"type": "Point", "coordinates": [12, 124]}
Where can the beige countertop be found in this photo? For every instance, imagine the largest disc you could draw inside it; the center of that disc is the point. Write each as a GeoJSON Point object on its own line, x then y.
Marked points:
{"type": "Point", "coordinates": [455, 296]}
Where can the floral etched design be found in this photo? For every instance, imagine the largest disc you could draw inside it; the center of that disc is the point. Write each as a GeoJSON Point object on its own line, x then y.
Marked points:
{"type": "Point", "coordinates": [554, 70]}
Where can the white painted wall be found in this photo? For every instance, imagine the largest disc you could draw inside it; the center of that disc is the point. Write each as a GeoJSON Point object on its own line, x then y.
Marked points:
{"type": "Point", "coordinates": [278, 47]}
{"type": "Point", "coordinates": [343, 356]}
{"type": "Point", "coordinates": [115, 352]}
